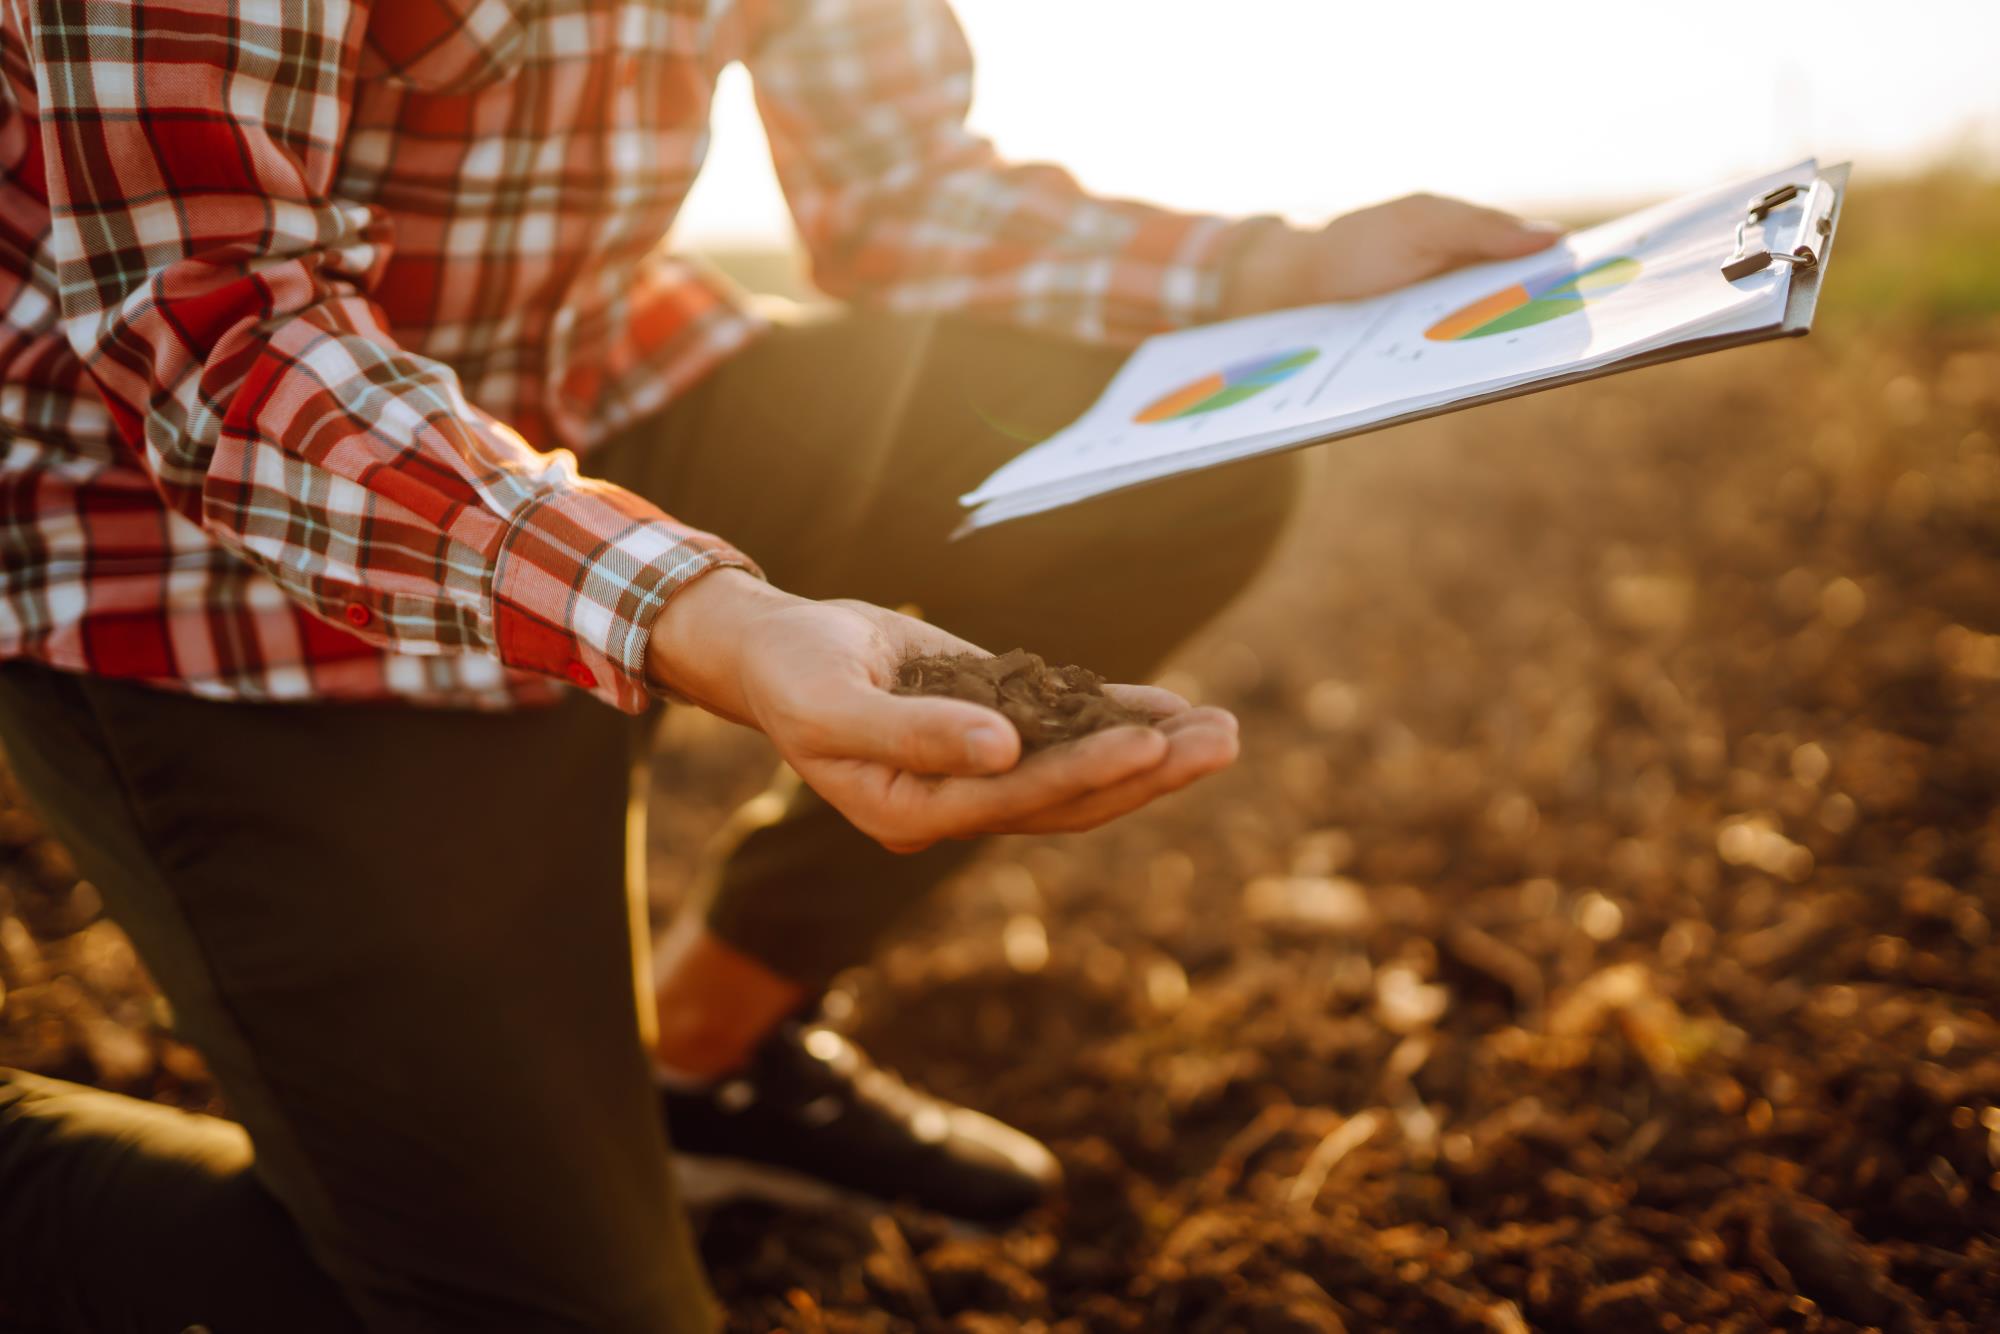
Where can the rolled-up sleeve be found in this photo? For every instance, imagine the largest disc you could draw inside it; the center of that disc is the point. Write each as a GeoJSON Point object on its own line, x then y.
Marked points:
{"type": "Point", "coordinates": [220, 294]}
{"type": "Point", "coordinates": [900, 204]}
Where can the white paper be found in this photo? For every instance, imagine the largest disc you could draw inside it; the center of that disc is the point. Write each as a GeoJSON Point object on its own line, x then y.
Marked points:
{"type": "Point", "coordinates": [1204, 396]}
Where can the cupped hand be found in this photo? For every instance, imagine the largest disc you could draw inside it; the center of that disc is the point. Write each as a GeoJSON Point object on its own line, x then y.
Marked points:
{"type": "Point", "coordinates": [909, 771]}
{"type": "Point", "coordinates": [1374, 250]}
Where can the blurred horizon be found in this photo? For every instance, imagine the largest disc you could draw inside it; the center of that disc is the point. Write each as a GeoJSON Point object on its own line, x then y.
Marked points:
{"type": "Point", "coordinates": [1575, 109]}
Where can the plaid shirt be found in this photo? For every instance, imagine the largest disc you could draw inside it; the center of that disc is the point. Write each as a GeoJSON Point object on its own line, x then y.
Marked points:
{"type": "Point", "coordinates": [307, 305]}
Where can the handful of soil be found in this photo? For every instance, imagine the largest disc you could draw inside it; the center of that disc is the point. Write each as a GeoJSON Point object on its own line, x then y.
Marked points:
{"type": "Point", "coordinates": [1047, 705]}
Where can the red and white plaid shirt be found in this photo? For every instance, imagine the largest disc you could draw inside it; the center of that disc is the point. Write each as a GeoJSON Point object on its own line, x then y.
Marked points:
{"type": "Point", "coordinates": [306, 304]}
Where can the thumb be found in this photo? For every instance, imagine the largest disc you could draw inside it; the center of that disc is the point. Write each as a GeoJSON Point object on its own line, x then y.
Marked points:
{"type": "Point", "coordinates": [916, 734]}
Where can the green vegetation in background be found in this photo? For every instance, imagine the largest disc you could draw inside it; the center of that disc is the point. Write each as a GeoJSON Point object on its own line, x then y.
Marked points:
{"type": "Point", "coordinates": [1924, 249]}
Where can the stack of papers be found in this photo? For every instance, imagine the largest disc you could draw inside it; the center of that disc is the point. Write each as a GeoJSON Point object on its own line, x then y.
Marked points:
{"type": "Point", "coordinates": [1617, 292]}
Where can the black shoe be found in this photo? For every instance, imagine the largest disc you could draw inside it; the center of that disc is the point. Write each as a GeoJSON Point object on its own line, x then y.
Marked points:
{"type": "Point", "coordinates": [810, 1120]}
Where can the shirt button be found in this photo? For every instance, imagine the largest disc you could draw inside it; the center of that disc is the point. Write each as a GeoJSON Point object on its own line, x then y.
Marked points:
{"type": "Point", "coordinates": [580, 674]}
{"type": "Point", "coordinates": [358, 615]}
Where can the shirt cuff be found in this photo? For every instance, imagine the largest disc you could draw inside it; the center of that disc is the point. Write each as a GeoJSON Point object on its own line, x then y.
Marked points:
{"type": "Point", "coordinates": [581, 576]}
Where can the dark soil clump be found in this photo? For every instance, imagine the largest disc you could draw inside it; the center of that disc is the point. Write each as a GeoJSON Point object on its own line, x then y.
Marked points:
{"type": "Point", "coordinates": [1047, 705]}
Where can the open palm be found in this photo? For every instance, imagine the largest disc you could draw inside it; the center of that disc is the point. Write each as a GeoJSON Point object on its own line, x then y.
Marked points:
{"type": "Point", "coordinates": [816, 678]}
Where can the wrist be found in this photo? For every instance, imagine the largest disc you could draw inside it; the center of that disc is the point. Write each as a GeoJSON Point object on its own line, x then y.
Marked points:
{"type": "Point", "coordinates": [1264, 268]}
{"type": "Point", "coordinates": [695, 648]}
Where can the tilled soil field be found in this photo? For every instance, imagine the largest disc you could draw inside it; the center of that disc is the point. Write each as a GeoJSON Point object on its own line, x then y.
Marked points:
{"type": "Point", "coordinates": [1598, 933]}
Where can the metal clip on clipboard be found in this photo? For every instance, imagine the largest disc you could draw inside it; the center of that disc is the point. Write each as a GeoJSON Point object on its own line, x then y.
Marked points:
{"type": "Point", "coordinates": [1815, 226]}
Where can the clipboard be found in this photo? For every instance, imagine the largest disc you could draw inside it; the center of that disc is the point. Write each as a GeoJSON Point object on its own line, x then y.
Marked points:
{"type": "Point", "coordinates": [1801, 303]}
{"type": "Point", "coordinates": [1812, 246]}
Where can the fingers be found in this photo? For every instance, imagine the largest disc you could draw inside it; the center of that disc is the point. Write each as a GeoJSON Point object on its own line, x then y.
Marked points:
{"type": "Point", "coordinates": [1148, 699]}
{"type": "Point", "coordinates": [1072, 787]}
{"type": "Point", "coordinates": [913, 734]}
{"type": "Point", "coordinates": [852, 716]}
{"type": "Point", "coordinates": [920, 810]}
{"type": "Point", "coordinates": [1199, 742]}
{"type": "Point", "coordinates": [911, 770]}
{"type": "Point", "coordinates": [1463, 231]}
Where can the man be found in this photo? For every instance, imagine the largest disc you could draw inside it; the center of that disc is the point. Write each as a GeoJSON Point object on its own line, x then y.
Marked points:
{"type": "Point", "coordinates": [311, 615]}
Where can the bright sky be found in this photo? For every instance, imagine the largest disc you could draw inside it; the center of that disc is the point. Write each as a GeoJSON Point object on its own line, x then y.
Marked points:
{"type": "Point", "coordinates": [1310, 107]}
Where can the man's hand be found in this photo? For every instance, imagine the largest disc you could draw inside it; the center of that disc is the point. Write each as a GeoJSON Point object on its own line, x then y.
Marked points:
{"type": "Point", "coordinates": [1372, 251]}
{"type": "Point", "coordinates": [909, 771]}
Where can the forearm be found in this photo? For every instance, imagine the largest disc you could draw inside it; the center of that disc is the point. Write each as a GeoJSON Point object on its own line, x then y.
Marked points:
{"type": "Point", "coordinates": [355, 475]}
{"type": "Point", "coordinates": [1265, 266]}
{"type": "Point", "coordinates": [901, 204]}
{"type": "Point", "coordinates": [1021, 245]}
{"type": "Point", "coordinates": [248, 369]}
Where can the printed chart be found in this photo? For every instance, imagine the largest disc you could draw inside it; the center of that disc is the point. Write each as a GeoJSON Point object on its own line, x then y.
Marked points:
{"type": "Point", "coordinates": [1231, 384]}
{"type": "Point", "coordinates": [1644, 285]}
{"type": "Point", "coordinates": [1535, 300]}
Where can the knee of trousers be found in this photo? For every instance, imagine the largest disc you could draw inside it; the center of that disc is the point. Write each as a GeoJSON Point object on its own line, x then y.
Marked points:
{"type": "Point", "coordinates": [1127, 578]}
{"type": "Point", "coordinates": [554, 1219]}
{"type": "Point", "coordinates": [1242, 507]}
{"type": "Point", "coordinates": [619, 1290]}
{"type": "Point", "coordinates": [1215, 528]}
{"type": "Point", "coordinates": [1251, 505]}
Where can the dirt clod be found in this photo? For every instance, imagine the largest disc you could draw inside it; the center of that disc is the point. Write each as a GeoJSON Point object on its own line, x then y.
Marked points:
{"type": "Point", "coordinates": [1047, 705]}
{"type": "Point", "coordinates": [1834, 1268]}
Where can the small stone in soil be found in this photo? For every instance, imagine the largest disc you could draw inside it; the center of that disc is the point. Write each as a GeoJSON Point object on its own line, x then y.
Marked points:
{"type": "Point", "coordinates": [1047, 705]}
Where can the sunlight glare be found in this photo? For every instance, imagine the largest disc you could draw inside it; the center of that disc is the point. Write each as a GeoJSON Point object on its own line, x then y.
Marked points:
{"type": "Point", "coordinates": [1309, 108]}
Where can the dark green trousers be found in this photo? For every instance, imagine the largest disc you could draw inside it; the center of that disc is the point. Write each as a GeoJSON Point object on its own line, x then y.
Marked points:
{"type": "Point", "coordinates": [403, 940]}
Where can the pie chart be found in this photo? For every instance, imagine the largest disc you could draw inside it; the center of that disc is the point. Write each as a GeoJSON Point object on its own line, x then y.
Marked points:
{"type": "Point", "coordinates": [1231, 384]}
{"type": "Point", "coordinates": [1547, 297]}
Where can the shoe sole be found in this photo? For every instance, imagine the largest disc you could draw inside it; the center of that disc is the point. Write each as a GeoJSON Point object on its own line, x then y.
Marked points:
{"type": "Point", "coordinates": [706, 1181]}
